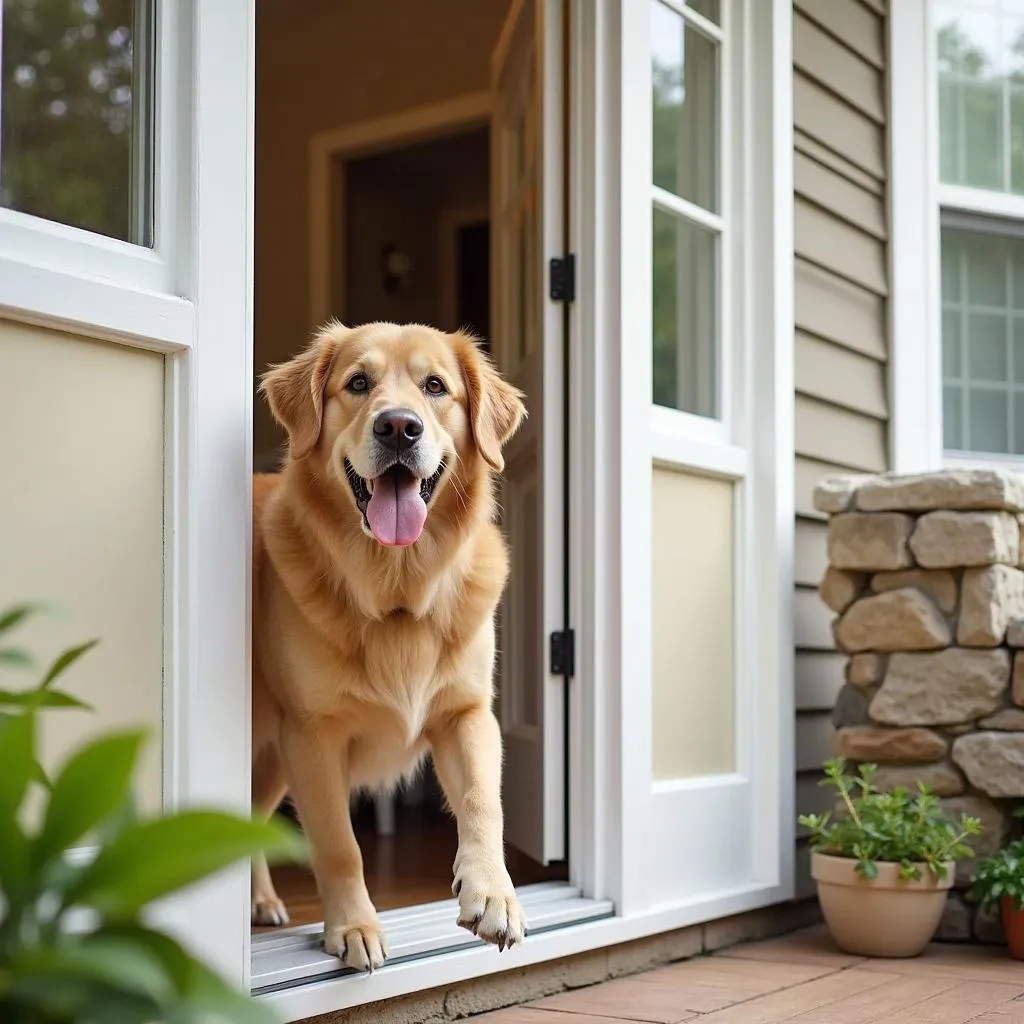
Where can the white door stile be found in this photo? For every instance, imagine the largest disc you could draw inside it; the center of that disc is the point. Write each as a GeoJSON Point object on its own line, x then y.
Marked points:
{"type": "Point", "coordinates": [208, 712]}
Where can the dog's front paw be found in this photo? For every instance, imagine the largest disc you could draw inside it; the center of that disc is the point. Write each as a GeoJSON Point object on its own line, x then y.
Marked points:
{"type": "Point", "coordinates": [361, 947]}
{"type": "Point", "coordinates": [269, 910]}
{"type": "Point", "coordinates": [488, 906]}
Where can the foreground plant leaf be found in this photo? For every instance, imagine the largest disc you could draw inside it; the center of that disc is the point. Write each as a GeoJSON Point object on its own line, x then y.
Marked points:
{"type": "Point", "coordinates": [153, 858]}
{"type": "Point", "coordinates": [90, 787]}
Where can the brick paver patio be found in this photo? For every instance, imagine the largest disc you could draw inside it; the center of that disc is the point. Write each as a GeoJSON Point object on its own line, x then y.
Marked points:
{"type": "Point", "coordinates": [801, 978]}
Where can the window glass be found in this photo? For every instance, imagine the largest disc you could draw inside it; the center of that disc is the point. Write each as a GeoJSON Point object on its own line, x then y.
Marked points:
{"type": "Point", "coordinates": [981, 94]}
{"type": "Point", "coordinates": [685, 98]}
{"type": "Point", "coordinates": [983, 342]}
{"type": "Point", "coordinates": [76, 113]}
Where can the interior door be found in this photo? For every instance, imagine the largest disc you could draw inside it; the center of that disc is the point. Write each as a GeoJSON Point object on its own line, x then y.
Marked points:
{"type": "Point", "coordinates": [527, 231]}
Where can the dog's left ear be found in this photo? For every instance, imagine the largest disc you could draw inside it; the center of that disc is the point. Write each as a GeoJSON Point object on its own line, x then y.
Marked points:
{"type": "Point", "coordinates": [495, 407]}
{"type": "Point", "coordinates": [295, 390]}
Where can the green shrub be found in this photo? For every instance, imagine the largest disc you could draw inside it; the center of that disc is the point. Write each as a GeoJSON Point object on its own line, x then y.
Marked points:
{"type": "Point", "coordinates": [909, 829]}
{"type": "Point", "coordinates": [1001, 875]}
{"type": "Point", "coordinates": [74, 945]}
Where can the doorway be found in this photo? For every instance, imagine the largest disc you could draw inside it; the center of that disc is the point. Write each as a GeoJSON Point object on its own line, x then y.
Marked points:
{"type": "Point", "coordinates": [444, 214]}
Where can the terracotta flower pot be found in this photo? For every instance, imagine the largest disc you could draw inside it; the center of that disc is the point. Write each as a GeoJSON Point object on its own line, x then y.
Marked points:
{"type": "Point", "coordinates": [882, 917]}
{"type": "Point", "coordinates": [1013, 925]}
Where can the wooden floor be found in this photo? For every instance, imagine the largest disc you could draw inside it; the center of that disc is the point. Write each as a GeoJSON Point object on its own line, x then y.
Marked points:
{"type": "Point", "coordinates": [413, 866]}
{"type": "Point", "coordinates": [800, 978]}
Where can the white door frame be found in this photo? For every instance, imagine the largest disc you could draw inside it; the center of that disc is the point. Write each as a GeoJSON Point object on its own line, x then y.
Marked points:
{"type": "Point", "coordinates": [328, 151]}
{"type": "Point", "coordinates": [605, 833]}
{"type": "Point", "coordinates": [188, 298]}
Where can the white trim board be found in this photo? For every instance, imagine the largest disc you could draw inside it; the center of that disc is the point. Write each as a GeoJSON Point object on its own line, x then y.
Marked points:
{"type": "Point", "coordinates": [329, 148]}
{"type": "Point", "coordinates": [915, 357]}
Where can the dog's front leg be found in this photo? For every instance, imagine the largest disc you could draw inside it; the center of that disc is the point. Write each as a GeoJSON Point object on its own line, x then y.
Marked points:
{"type": "Point", "coordinates": [318, 780]}
{"type": "Point", "coordinates": [467, 758]}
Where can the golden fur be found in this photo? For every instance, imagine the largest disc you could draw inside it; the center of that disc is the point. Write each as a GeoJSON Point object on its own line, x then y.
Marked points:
{"type": "Point", "coordinates": [366, 656]}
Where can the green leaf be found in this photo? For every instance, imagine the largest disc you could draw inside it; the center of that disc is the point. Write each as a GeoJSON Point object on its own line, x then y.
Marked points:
{"type": "Point", "coordinates": [201, 992]}
{"type": "Point", "coordinates": [114, 962]}
{"type": "Point", "coordinates": [13, 616]}
{"type": "Point", "coordinates": [66, 660]}
{"type": "Point", "coordinates": [17, 761]}
{"type": "Point", "coordinates": [15, 861]}
{"type": "Point", "coordinates": [154, 858]}
{"type": "Point", "coordinates": [16, 657]}
{"type": "Point", "coordinates": [90, 787]}
{"type": "Point", "coordinates": [41, 699]}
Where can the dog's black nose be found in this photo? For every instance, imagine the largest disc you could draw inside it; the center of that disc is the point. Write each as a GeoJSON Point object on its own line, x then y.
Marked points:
{"type": "Point", "coordinates": [397, 428]}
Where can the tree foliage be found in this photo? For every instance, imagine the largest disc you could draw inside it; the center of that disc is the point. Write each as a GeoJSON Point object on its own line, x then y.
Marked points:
{"type": "Point", "coordinates": [67, 111]}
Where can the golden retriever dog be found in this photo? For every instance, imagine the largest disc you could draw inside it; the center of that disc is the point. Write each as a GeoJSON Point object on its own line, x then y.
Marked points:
{"type": "Point", "coordinates": [377, 571]}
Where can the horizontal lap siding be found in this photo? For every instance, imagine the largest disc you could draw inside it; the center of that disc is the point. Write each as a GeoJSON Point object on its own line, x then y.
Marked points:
{"type": "Point", "coordinates": [842, 335]}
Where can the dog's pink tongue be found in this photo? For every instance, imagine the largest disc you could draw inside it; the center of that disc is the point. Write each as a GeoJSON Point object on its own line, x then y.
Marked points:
{"type": "Point", "coordinates": [396, 512]}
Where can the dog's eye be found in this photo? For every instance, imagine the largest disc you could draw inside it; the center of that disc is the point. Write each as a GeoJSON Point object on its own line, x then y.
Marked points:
{"type": "Point", "coordinates": [358, 383]}
{"type": "Point", "coordinates": [435, 386]}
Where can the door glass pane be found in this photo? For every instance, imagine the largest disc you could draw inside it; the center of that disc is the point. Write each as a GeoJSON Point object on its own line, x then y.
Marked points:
{"type": "Point", "coordinates": [76, 114]}
{"type": "Point", "coordinates": [981, 103]}
{"type": "Point", "coordinates": [684, 94]}
{"type": "Point", "coordinates": [685, 328]}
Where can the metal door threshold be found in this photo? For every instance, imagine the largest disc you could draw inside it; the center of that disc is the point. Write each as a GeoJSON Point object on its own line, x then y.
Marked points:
{"type": "Point", "coordinates": [295, 955]}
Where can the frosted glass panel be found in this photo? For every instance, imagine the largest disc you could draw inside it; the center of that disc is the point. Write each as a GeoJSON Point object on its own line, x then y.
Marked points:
{"type": "Point", "coordinates": [693, 628]}
{"type": "Point", "coordinates": [981, 94]}
{"type": "Point", "coordinates": [83, 483]}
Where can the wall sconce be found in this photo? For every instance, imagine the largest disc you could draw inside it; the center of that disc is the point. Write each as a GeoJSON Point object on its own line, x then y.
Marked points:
{"type": "Point", "coordinates": [395, 269]}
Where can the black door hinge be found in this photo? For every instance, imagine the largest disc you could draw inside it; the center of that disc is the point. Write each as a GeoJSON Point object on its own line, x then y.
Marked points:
{"type": "Point", "coordinates": [563, 653]}
{"type": "Point", "coordinates": [562, 278]}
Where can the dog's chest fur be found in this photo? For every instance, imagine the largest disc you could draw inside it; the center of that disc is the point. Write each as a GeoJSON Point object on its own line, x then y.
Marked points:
{"type": "Point", "coordinates": [396, 673]}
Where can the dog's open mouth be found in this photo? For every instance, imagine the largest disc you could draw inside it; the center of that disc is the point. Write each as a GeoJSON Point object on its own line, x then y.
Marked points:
{"type": "Point", "coordinates": [394, 504]}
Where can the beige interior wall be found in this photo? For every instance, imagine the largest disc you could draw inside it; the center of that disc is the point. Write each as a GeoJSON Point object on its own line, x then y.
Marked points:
{"type": "Point", "coordinates": [842, 333]}
{"type": "Point", "coordinates": [323, 64]}
{"type": "Point", "coordinates": [693, 625]}
{"type": "Point", "coordinates": [81, 526]}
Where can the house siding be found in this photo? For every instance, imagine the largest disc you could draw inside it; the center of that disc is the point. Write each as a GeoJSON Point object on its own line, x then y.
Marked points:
{"type": "Point", "coordinates": [842, 331]}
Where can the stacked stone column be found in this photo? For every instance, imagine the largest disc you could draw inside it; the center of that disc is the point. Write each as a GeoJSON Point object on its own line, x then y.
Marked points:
{"type": "Point", "coordinates": [925, 581]}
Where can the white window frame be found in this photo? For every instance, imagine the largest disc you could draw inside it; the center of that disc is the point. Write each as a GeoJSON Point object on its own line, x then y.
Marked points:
{"type": "Point", "coordinates": [919, 203]}
{"type": "Point", "coordinates": [104, 285]}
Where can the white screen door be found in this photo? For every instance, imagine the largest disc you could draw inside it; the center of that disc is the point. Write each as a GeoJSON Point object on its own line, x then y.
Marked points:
{"type": "Point", "coordinates": [527, 231]}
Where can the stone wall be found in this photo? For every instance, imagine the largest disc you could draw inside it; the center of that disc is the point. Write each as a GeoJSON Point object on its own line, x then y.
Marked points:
{"type": "Point", "coordinates": [926, 585]}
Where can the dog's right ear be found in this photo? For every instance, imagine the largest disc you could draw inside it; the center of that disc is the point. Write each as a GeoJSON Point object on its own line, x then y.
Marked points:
{"type": "Point", "coordinates": [295, 390]}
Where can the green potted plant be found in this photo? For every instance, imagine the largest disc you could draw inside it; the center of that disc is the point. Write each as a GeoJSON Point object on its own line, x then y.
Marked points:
{"type": "Point", "coordinates": [75, 947]}
{"type": "Point", "coordinates": [884, 863]}
{"type": "Point", "coordinates": [999, 884]}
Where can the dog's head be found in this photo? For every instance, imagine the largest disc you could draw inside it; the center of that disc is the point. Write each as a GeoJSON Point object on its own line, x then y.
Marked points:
{"type": "Point", "coordinates": [394, 413]}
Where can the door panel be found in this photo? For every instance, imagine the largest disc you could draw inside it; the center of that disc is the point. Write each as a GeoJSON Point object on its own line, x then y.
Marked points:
{"type": "Point", "coordinates": [526, 198]}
